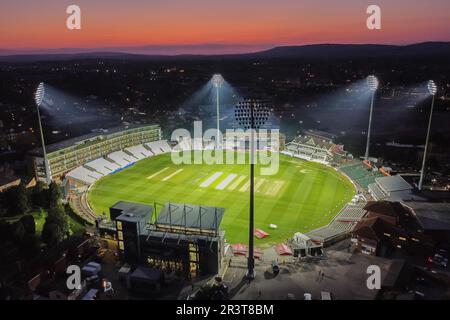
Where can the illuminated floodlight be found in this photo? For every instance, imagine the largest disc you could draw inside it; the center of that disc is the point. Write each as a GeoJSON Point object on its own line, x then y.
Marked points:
{"type": "Point", "coordinates": [251, 114]}
{"type": "Point", "coordinates": [432, 87]}
{"type": "Point", "coordinates": [372, 82]}
{"type": "Point", "coordinates": [39, 94]}
{"type": "Point", "coordinates": [217, 80]}
{"type": "Point", "coordinates": [38, 98]}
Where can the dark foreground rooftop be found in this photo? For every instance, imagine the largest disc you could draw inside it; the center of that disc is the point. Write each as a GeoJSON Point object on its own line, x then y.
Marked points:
{"type": "Point", "coordinates": [431, 215]}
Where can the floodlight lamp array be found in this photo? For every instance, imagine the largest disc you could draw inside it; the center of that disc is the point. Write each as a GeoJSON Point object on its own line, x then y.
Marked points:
{"type": "Point", "coordinates": [39, 94]}
{"type": "Point", "coordinates": [252, 113]}
{"type": "Point", "coordinates": [432, 87]}
{"type": "Point", "coordinates": [217, 80]}
{"type": "Point", "coordinates": [372, 82]}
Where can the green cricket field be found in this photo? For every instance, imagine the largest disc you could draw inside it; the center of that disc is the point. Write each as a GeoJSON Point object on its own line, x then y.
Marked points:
{"type": "Point", "coordinates": [301, 197]}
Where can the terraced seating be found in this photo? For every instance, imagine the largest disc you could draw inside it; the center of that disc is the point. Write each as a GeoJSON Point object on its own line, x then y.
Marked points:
{"type": "Point", "coordinates": [158, 147]}
{"type": "Point", "coordinates": [342, 224]}
{"type": "Point", "coordinates": [121, 158]}
{"type": "Point", "coordinates": [139, 152]}
{"type": "Point", "coordinates": [360, 174]}
{"type": "Point", "coordinates": [102, 166]}
{"type": "Point", "coordinates": [95, 169]}
{"type": "Point", "coordinates": [376, 192]}
{"type": "Point", "coordinates": [83, 175]}
{"type": "Point", "coordinates": [352, 212]}
{"type": "Point", "coordinates": [323, 234]}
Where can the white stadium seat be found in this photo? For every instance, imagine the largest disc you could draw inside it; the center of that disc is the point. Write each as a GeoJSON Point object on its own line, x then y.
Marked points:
{"type": "Point", "coordinates": [158, 147]}
{"type": "Point", "coordinates": [121, 158]}
{"type": "Point", "coordinates": [82, 174]}
{"type": "Point", "coordinates": [139, 152]}
{"type": "Point", "coordinates": [103, 166]}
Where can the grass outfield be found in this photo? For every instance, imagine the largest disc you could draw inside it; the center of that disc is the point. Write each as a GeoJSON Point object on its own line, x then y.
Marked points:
{"type": "Point", "coordinates": [302, 196]}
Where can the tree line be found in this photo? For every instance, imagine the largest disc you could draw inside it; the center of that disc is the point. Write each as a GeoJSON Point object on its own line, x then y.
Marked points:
{"type": "Point", "coordinates": [19, 202]}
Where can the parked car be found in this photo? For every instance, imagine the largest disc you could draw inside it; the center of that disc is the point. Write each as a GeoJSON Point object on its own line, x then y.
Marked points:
{"type": "Point", "coordinates": [91, 295]}
{"type": "Point", "coordinates": [440, 258]}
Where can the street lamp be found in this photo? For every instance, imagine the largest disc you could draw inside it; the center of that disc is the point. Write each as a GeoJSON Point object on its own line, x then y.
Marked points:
{"type": "Point", "coordinates": [217, 81]}
{"type": "Point", "coordinates": [372, 83]}
{"type": "Point", "coordinates": [38, 98]}
{"type": "Point", "coordinates": [432, 89]}
{"type": "Point", "coordinates": [251, 114]}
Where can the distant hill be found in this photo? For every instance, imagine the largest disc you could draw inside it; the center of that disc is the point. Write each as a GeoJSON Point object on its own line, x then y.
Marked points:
{"type": "Point", "coordinates": [355, 51]}
{"type": "Point", "coordinates": [319, 51]}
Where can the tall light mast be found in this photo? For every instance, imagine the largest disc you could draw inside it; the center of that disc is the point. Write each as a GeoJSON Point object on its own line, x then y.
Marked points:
{"type": "Point", "coordinates": [251, 114]}
{"type": "Point", "coordinates": [217, 81]}
{"type": "Point", "coordinates": [432, 89]}
{"type": "Point", "coordinates": [38, 98]}
{"type": "Point", "coordinates": [373, 83]}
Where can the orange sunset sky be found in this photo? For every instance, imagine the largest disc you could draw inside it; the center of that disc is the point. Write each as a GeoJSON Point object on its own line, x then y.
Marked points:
{"type": "Point", "coordinates": [243, 25]}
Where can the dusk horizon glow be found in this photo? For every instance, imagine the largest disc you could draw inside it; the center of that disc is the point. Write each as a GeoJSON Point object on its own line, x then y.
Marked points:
{"type": "Point", "coordinates": [198, 26]}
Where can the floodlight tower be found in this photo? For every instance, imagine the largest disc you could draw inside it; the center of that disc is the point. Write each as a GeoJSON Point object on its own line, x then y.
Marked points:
{"type": "Point", "coordinates": [217, 81]}
{"type": "Point", "coordinates": [372, 83]}
{"type": "Point", "coordinates": [432, 89]}
{"type": "Point", "coordinates": [38, 98]}
{"type": "Point", "coordinates": [251, 114]}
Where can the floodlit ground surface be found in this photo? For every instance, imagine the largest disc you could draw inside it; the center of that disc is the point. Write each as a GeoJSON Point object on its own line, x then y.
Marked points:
{"type": "Point", "coordinates": [302, 196]}
{"type": "Point", "coordinates": [344, 276]}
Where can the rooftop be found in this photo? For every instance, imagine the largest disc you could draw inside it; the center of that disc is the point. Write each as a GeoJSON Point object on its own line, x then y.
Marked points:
{"type": "Point", "coordinates": [375, 228]}
{"type": "Point", "coordinates": [393, 183]}
{"type": "Point", "coordinates": [369, 228]}
{"type": "Point", "coordinates": [132, 211]}
{"type": "Point", "coordinates": [190, 216]}
{"type": "Point", "coordinates": [313, 141]}
{"type": "Point", "coordinates": [321, 134]}
{"type": "Point", "coordinates": [431, 215]}
{"type": "Point", "coordinates": [387, 208]}
{"type": "Point", "coordinates": [147, 274]}
{"type": "Point", "coordinates": [100, 133]}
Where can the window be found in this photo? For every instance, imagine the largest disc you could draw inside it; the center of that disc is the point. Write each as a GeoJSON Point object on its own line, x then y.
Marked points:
{"type": "Point", "coordinates": [119, 225]}
{"type": "Point", "coordinates": [120, 235]}
{"type": "Point", "coordinates": [121, 247]}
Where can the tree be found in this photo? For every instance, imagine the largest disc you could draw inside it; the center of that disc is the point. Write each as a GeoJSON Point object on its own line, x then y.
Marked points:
{"type": "Point", "coordinates": [18, 232]}
{"type": "Point", "coordinates": [51, 234]}
{"type": "Point", "coordinates": [39, 195]}
{"type": "Point", "coordinates": [5, 231]}
{"type": "Point", "coordinates": [23, 202]}
{"type": "Point", "coordinates": [29, 224]}
{"type": "Point", "coordinates": [16, 200]}
{"type": "Point", "coordinates": [55, 195]}
{"type": "Point", "coordinates": [57, 215]}
{"type": "Point", "coordinates": [30, 246]}
{"type": "Point", "coordinates": [56, 226]}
